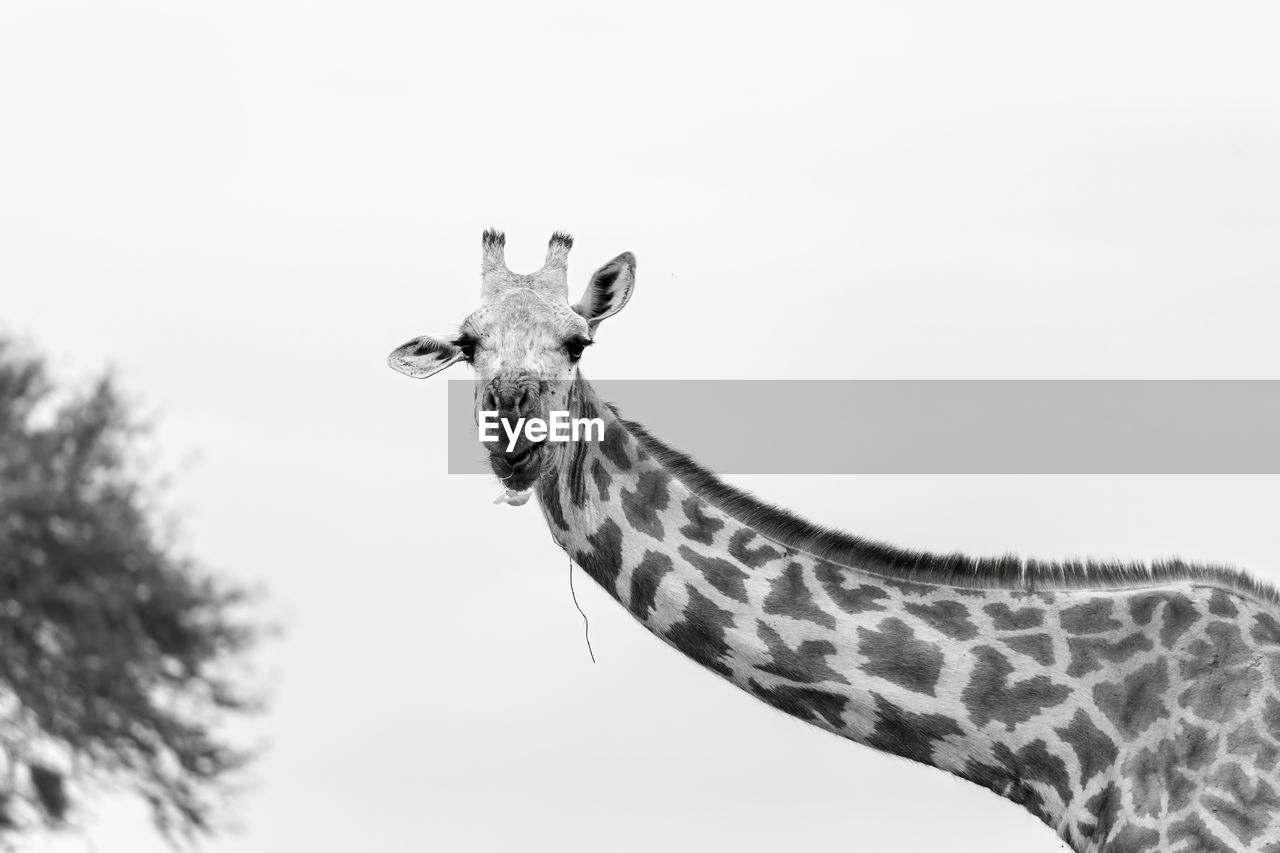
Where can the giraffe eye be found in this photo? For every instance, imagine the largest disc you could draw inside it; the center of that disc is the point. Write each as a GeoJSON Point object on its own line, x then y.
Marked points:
{"type": "Point", "coordinates": [468, 347]}
{"type": "Point", "coordinates": [575, 347]}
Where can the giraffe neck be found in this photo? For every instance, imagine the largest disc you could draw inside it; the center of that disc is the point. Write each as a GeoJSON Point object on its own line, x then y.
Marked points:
{"type": "Point", "coordinates": [1064, 700]}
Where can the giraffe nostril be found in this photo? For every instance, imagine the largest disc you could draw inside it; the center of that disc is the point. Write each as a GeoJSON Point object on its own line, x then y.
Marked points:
{"type": "Point", "coordinates": [510, 399]}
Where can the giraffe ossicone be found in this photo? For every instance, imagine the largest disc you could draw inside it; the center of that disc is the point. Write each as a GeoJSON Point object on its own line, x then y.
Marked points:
{"type": "Point", "coordinates": [1131, 708]}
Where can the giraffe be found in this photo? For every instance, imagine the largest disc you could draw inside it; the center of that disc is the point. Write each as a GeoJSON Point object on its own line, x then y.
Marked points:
{"type": "Point", "coordinates": [1129, 707]}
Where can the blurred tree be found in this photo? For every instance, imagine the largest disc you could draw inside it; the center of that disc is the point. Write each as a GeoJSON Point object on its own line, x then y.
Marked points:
{"type": "Point", "coordinates": [117, 654]}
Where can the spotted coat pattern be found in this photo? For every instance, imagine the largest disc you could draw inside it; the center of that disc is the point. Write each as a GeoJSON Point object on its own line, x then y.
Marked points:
{"type": "Point", "coordinates": [1128, 720]}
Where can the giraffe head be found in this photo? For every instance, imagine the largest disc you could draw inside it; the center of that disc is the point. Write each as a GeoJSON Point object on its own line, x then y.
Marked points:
{"type": "Point", "coordinates": [524, 343]}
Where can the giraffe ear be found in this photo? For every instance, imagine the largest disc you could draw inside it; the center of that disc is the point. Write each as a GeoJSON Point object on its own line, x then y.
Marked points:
{"type": "Point", "coordinates": [609, 290]}
{"type": "Point", "coordinates": [424, 356]}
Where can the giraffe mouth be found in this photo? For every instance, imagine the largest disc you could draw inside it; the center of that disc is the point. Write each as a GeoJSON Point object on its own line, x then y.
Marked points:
{"type": "Point", "coordinates": [519, 471]}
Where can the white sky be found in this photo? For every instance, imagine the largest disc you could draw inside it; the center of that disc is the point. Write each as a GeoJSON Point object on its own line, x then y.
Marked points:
{"type": "Point", "coordinates": [245, 205]}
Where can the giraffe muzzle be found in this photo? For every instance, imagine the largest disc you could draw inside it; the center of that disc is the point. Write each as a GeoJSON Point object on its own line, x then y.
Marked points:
{"type": "Point", "coordinates": [515, 459]}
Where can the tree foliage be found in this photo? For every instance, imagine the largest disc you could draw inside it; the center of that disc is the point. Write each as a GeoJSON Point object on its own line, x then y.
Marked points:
{"type": "Point", "coordinates": [118, 655]}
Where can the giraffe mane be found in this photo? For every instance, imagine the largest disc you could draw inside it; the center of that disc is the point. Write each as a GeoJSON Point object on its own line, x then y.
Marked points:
{"type": "Point", "coordinates": [1008, 571]}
